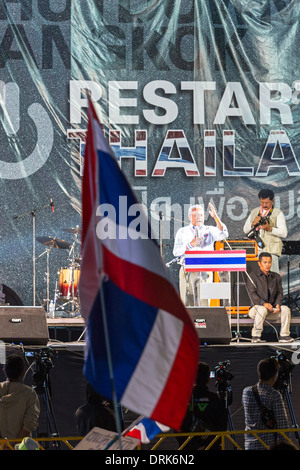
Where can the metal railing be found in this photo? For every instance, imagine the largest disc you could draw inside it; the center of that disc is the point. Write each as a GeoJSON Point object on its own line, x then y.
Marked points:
{"type": "Point", "coordinates": [225, 437]}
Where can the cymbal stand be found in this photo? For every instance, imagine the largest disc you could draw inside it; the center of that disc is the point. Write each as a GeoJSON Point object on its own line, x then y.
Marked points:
{"type": "Point", "coordinates": [33, 214]}
{"type": "Point", "coordinates": [47, 251]}
{"type": "Point", "coordinates": [72, 259]}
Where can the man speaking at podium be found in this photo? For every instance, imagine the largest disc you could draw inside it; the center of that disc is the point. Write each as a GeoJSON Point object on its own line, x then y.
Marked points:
{"type": "Point", "coordinates": [197, 236]}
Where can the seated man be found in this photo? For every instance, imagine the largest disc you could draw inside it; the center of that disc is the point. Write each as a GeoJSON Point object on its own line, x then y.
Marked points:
{"type": "Point", "coordinates": [265, 292]}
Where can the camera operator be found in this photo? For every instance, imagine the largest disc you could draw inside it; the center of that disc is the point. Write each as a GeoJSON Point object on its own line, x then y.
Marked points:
{"type": "Point", "coordinates": [268, 370]}
{"type": "Point", "coordinates": [206, 412]}
{"type": "Point", "coordinates": [97, 411]}
{"type": "Point", "coordinates": [269, 223]}
{"type": "Point", "coordinates": [19, 404]}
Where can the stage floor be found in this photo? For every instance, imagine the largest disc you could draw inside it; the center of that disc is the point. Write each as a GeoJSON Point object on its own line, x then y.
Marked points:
{"type": "Point", "coordinates": [70, 330]}
{"type": "Point", "coordinates": [234, 321]}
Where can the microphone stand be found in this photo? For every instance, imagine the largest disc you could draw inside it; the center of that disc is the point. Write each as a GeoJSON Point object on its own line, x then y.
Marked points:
{"type": "Point", "coordinates": [238, 334]}
{"type": "Point", "coordinates": [33, 214]}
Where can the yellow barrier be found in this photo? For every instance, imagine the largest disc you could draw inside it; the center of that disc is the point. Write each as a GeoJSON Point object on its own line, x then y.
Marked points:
{"type": "Point", "coordinates": [9, 444]}
{"type": "Point", "coordinates": [229, 435]}
{"type": "Point", "coordinates": [223, 436]}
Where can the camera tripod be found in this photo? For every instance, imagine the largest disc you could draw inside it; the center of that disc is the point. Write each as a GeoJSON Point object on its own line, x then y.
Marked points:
{"type": "Point", "coordinates": [225, 394]}
{"type": "Point", "coordinates": [284, 389]}
{"type": "Point", "coordinates": [42, 386]}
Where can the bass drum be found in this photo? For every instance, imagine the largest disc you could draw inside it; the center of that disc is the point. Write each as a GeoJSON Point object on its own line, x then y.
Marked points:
{"type": "Point", "coordinates": [11, 297]}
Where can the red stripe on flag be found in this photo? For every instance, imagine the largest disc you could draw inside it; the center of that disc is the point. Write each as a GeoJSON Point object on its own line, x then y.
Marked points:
{"type": "Point", "coordinates": [181, 372]}
{"type": "Point", "coordinates": [136, 433]}
{"type": "Point", "coordinates": [144, 285]}
{"type": "Point", "coordinates": [89, 175]}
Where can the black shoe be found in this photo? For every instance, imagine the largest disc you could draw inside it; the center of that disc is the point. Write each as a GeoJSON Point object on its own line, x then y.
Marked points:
{"type": "Point", "coordinates": [285, 339]}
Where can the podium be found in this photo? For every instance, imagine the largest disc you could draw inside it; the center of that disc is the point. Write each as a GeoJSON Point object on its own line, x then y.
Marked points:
{"type": "Point", "coordinates": [251, 263]}
{"type": "Point", "coordinates": [217, 261]}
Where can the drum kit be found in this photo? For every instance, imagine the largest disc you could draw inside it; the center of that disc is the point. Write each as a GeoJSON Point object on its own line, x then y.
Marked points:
{"type": "Point", "coordinates": [66, 297]}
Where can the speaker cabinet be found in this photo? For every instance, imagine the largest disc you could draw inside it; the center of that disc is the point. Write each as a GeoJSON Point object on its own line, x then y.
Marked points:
{"type": "Point", "coordinates": [26, 325]}
{"type": "Point", "coordinates": [212, 324]}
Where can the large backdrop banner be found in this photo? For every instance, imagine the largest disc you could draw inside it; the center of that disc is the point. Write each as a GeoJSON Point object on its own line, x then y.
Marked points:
{"type": "Point", "coordinates": [199, 100]}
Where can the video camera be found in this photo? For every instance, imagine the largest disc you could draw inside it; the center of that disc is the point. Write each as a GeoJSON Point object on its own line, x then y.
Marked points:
{"type": "Point", "coordinates": [285, 370]}
{"type": "Point", "coordinates": [42, 366]}
{"type": "Point", "coordinates": [222, 373]}
{"type": "Point", "coordinates": [223, 377]}
{"type": "Point", "coordinates": [254, 235]}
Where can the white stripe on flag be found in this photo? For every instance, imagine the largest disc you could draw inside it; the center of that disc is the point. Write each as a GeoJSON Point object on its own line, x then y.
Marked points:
{"type": "Point", "coordinates": [152, 372]}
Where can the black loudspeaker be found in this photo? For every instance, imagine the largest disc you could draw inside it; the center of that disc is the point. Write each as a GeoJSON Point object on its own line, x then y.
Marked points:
{"type": "Point", "coordinates": [26, 325]}
{"type": "Point", "coordinates": [212, 324]}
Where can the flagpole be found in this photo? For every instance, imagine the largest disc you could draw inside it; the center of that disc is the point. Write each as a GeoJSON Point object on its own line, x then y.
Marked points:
{"type": "Point", "coordinates": [111, 373]}
{"type": "Point", "coordinates": [106, 334]}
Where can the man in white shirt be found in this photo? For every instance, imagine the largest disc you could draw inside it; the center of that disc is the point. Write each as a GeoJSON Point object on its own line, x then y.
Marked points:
{"type": "Point", "coordinates": [273, 228]}
{"type": "Point", "coordinates": [197, 236]}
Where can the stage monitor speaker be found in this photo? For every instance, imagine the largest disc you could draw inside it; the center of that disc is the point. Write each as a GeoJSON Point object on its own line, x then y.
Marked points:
{"type": "Point", "coordinates": [212, 324]}
{"type": "Point", "coordinates": [26, 325]}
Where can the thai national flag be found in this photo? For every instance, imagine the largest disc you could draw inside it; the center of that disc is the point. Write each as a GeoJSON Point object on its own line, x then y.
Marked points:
{"type": "Point", "coordinates": [231, 260]}
{"type": "Point", "coordinates": [153, 346]}
{"type": "Point", "coordinates": [146, 430]}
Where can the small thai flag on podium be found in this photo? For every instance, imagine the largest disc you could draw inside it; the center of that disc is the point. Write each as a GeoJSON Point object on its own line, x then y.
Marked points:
{"type": "Point", "coordinates": [231, 260]}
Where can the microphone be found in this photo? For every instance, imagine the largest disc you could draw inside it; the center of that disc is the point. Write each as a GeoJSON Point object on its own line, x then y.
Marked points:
{"type": "Point", "coordinates": [51, 204]}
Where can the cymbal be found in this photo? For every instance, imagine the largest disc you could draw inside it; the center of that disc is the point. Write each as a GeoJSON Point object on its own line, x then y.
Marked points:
{"type": "Point", "coordinates": [72, 230]}
{"type": "Point", "coordinates": [54, 242]}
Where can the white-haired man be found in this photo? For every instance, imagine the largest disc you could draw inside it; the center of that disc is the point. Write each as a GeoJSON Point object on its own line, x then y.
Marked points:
{"type": "Point", "coordinates": [197, 236]}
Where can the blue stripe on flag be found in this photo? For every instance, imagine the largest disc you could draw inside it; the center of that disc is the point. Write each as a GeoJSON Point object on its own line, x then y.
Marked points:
{"type": "Point", "coordinates": [133, 326]}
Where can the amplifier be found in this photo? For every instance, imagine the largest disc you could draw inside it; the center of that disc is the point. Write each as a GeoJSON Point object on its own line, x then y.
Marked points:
{"type": "Point", "coordinates": [244, 244]}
